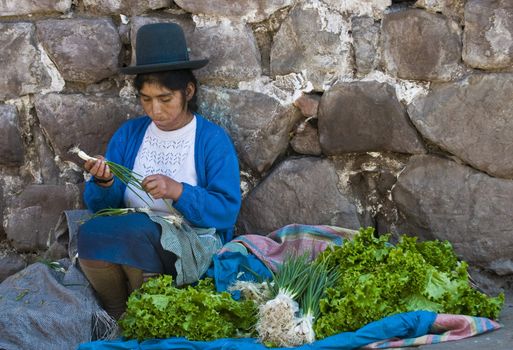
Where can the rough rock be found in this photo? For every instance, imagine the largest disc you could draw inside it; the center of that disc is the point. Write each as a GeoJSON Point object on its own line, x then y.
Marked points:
{"type": "Point", "coordinates": [365, 117]}
{"type": "Point", "coordinates": [313, 40]}
{"type": "Point", "coordinates": [488, 35]}
{"type": "Point", "coordinates": [131, 7]}
{"type": "Point", "coordinates": [471, 119]}
{"type": "Point", "coordinates": [21, 69]}
{"type": "Point", "coordinates": [10, 263]}
{"type": "Point", "coordinates": [83, 50]}
{"type": "Point", "coordinates": [11, 144]}
{"type": "Point", "coordinates": [308, 104]}
{"type": "Point", "coordinates": [247, 10]}
{"type": "Point", "coordinates": [292, 193]}
{"type": "Point", "coordinates": [257, 123]}
{"type": "Point", "coordinates": [31, 215]}
{"type": "Point", "coordinates": [450, 8]}
{"type": "Point", "coordinates": [469, 209]}
{"type": "Point", "coordinates": [89, 121]}
{"type": "Point", "coordinates": [232, 51]}
{"type": "Point", "coordinates": [373, 8]}
{"type": "Point", "coordinates": [306, 140]}
{"type": "Point", "coordinates": [365, 42]}
{"type": "Point", "coordinates": [420, 45]}
{"type": "Point", "coordinates": [26, 7]}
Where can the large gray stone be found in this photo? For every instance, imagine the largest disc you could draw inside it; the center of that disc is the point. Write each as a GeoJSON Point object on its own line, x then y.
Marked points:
{"type": "Point", "coordinates": [84, 50]}
{"type": "Point", "coordinates": [440, 199]}
{"type": "Point", "coordinates": [365, 117]}
{"type": "Point", "coordinates": [11, 144]}
{"type": "Point", "coordinates": [420, 45]}
{"type": "Point", "coordinates": [31, 215]}
{"type": "Point", "coordinates": [249, 11]}
{"type": "Point", "coordinates": [131, 7]}
{"type": "Point", "coordinates": [232, 50]}
{"type": "Point", "coordinates": [303, 191]}
{"type": "Point", "coordinates": [305, 43]}
{"type": "Point", "coordinates": [26, 7]}
{"type": "Point", "coordinates": [365, 42]}
{"type": "Point", "coordinates": [257, 123]}
{"type": "Point", "coordinates": [488, 35]}
{"type": "Point", "coordinates": [21, 70]}
{"type": "Point", "coordinates": [471, 119]}
{"type": "Point", "coordinates": [88, 121]}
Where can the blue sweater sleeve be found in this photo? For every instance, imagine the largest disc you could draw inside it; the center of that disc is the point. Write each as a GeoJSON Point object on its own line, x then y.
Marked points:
{"type": "Point", "coordinates": [97, 197]}
{"type": "Point", "coordinates": [217, 203]}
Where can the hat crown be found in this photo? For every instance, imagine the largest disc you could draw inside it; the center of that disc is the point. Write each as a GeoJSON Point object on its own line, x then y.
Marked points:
{"type": "Point", "coordinates": [159, 43]}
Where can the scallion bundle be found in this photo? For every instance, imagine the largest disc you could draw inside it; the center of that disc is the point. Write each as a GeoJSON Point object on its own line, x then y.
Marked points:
{"type": "Point", "coordinates": [277, 317]}
{"type": "Point", "coordinates": [131, 179]}
{"type": "Point", "coordinates": [297, 287]}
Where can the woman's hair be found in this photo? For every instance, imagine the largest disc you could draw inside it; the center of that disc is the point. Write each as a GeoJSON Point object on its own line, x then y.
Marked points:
{"type": "Point", "coordinates": [173, 80]}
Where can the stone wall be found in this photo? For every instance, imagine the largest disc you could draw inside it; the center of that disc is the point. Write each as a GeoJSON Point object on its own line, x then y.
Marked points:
{"type": "Point", "coordinates": [392, 114]}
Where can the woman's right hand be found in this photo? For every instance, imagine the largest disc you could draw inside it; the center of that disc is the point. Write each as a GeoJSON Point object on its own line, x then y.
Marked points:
{"type": "Point", "coordinates": [100, 170]}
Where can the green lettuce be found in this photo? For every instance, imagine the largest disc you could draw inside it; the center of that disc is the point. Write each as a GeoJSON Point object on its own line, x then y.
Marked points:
{"type": "Point", "coordinates": [160, 310]}
{"type": "Point", "coordinates": [380, 279]}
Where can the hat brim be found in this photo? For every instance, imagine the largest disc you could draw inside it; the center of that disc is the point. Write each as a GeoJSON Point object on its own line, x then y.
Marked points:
{"type": "Point", "coordinates": [161, 67]}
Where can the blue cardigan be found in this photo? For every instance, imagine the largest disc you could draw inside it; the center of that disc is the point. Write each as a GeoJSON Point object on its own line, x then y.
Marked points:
{"type": "Point", "coordinates": [214, 202]}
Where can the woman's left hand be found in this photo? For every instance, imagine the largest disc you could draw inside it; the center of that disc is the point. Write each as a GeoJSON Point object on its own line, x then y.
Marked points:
{"type": "Point", "coordinates": [162, 186]}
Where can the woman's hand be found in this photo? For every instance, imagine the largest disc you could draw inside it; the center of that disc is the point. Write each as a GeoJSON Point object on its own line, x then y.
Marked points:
{"type": "Point", "coordinates": [162, 186]}
{"type": "Point", "coordinates": [100, 170]}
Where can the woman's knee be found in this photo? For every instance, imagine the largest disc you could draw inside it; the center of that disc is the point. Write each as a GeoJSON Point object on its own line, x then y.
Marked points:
{"type": "Point", "coordinates": [95, 263]}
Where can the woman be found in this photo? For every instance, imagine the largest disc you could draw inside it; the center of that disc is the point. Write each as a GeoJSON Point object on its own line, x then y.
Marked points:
{"type": "Point", "coordinates": [185, 160]}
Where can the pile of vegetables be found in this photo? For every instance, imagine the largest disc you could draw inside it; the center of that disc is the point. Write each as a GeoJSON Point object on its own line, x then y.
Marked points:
{"type": "Point", "coordinates": [379, 279]}
{"type": "Point", "coordinates": [345, 288]}
{"type": "Point", "coordinates": [160, 310]}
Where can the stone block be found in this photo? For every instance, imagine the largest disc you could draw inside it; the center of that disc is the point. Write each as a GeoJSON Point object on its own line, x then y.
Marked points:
{"type": "Point", "coordinates": [419, 45]}
{"type": "Point", "coordinates": [32, 214]}
{"type": "Point", "coordinates": [312, 42]}
{"type": "Point", "coordinates": [365, 117]}
{"type": "Point", "coordinates": [365, 41]}
{"type": "Point", "coordinates": [83, 50]}
{"type": "Point", "coordinates": [28, 7]}
{"type": "Point", "coordinates": [21, 71]}
{"type": "Point", "coordinates": [441, 199]}
{"type": "Point", "coordinates": [87, 120]}
{"type": "Point", "coordinates": [306, 140]}
{"type": "Point", "coordinates": [488, 34]}
{"type": "Point", "coordinates": [127, 7]}
{"type": "Point", "coordinates": [258, 124]}
{"type": "Point", "coordinates": [247, 10]}
{"type": "Point", "coordinates": [302, 191]}
{"type": "Point", "coordinates": [471, 119]}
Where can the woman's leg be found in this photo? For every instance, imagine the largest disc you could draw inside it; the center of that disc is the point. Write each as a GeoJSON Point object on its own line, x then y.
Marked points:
{"type": "Point", "coordinates": [109, 282]}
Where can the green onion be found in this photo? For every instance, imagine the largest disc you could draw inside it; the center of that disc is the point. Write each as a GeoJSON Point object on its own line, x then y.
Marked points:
{"type": "Point", "coordinates": [131, 179]}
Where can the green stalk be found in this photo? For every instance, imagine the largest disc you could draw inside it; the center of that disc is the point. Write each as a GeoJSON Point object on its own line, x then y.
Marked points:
{"type": "Point", "coordinates": [292, 277]}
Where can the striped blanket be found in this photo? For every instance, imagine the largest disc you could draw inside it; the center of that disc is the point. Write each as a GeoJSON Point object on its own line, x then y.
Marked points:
{"type": "Point", "coordinates": [301, 239]}
{"type": "Point", "coordinates": [445, 328]}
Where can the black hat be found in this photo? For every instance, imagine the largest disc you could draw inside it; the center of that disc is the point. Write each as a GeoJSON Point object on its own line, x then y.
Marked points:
{"type": "Point", "coordinates": [161, 47]}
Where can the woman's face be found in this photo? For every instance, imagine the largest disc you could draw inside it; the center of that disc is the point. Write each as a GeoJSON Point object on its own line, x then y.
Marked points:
{"type": "Point", "coordinates": [166, 107]}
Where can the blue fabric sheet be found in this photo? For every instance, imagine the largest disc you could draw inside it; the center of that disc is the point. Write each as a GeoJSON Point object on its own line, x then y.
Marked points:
{"type": "Point", "coordinates": [231, 266]}
{"type": "Point", "coordinates": [405, 325]}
